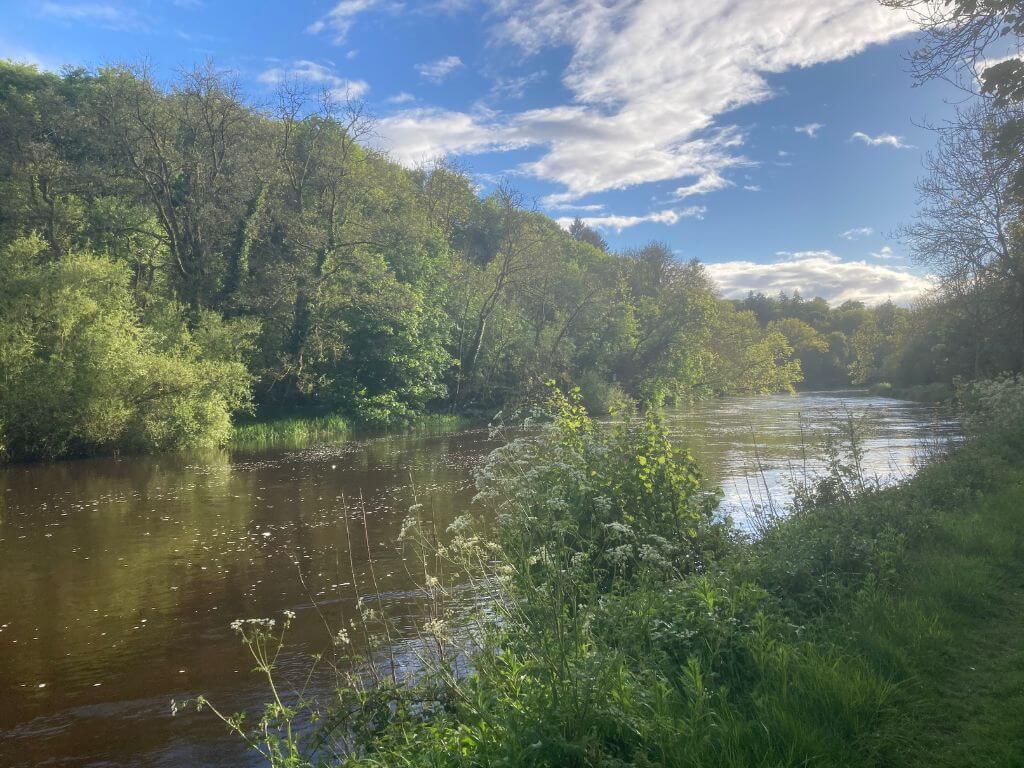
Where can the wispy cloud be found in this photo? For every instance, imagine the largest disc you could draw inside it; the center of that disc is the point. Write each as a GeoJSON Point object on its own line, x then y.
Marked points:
{"type": "Point", "coordinates": [311, 72]}
{"type": "Point", "coordinates": [644, 106]}
{"type": "Point", "coordinates": [882, 140]}
{"type": "Point", "coordinates": [709, 182]}
{"type": "Point", "coordinates": [886, 252]}
{"type": "Point", "coordinates": [589, 207]}
{"type": "Point", "coordinates": [619, 223]}
{"type": "Point", "coordinates": [339, 20]}
{"type": "Point", "coordinates": [26, 56]}
{"type": "Point", "coordinates": [515, 87]}
{"type": "Point", "coordinates": [104, 14]}
{"type": "Point", "coordinates": [856, 233]}
{"type": "Point", "coordinates": [437, 71]}
{"type": "Point", "coordinates": [820, 273]}
{"type": "Point", "coordinates": [811, 129]}
{"type": "Point", "coordinates": [401, 98]}
{"type": "Point", "coordinates": [418, 135]}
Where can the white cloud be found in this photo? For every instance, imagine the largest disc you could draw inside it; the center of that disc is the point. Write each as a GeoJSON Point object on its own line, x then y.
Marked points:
{"type": "Point", "coordinates": [311, 72]}
{"type": "Point", "coordinates": [752, 187]}
{"type": "Point", "coordinates": [341, 17]}
{"type": "Point", "coordinates": [25, 56]}
{"type": "Point", "coordinates": [619, 223]}
{"type": "Point", "coordinates": [415, 136]}
{"type": "Point", "coordinates": [885, 253]}
{"type": "Point", "coordinates": [104, 14]}
{"type": "Point", "coordinates": [650, 79]}
{"type": "Point", "coordinates": [811, 129]}
{"type": "Point", "coordinates": [515, 87]}
{"type": "Point", "coordinates": [576, 207]}
{"type": "Point", "coordinates": [709, 182]}
{"type": "Point", "coordinates": [401, 98]}
{"type": "Point", "coordinates": [437, 71]}
{"type": "Point", "coordinates": [882, 140]}
{"type": "Point", "coordinates": [856, 233]}
{"type": "Point", "coordinates": [820, 273]}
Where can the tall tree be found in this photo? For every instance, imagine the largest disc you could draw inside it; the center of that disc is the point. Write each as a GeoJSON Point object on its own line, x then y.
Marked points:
{"type": "Point", "coordinates": [968, 227]}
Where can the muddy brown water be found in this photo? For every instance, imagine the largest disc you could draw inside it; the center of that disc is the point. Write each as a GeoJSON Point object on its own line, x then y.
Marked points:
{"type": "Point", "coordinates": [119, 577]}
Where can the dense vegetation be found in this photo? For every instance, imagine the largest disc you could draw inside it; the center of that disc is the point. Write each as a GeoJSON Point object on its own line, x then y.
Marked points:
{"type": "Point", "coordinates": [851, 344]}
{"type": "Point", "coordinates": [630, 626]}
{"type": "Point", "coordinates": [173, 257]}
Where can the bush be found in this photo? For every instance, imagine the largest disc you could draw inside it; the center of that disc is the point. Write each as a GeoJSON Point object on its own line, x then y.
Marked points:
{"type": "Point", "coordinates": [881, 389]}
{"type": "Point", "coordinates": [992, 405]}
{"type": "Point", "coordinates": [618, 503]}
{"type": "Point", "coordinates": [82, 374]}
{"type": "Point", "coordinates": [602, 397]}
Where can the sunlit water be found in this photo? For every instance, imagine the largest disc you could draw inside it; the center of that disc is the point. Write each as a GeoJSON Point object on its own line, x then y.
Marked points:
{"type": "Point", "coordinates": [119, 577]}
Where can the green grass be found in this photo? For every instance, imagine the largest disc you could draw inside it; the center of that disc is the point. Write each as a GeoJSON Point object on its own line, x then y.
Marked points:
{"type": "Point", "coordinates": [952, 635]}
{"type": "Point", "coordinates": [289, 432]}
{"type": "Point", "coordinates": [936, 614]}
{"type": "Point", "coordinates": [297, 432]}
{"type": "Point", "coordinates": [883, 632]}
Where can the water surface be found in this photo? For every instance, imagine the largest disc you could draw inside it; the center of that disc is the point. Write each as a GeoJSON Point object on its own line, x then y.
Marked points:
{"type": "Point", "coordinates": [119, 577]}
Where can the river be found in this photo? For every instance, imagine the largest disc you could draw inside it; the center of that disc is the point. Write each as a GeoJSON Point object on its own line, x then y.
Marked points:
{"type": "Point", "coordinates": [119, 577]}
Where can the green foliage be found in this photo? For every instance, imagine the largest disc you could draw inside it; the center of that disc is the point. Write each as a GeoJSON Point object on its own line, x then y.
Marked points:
{"type": "Point", "coordinates": [82, 374]}
{"type": "Point", "coordinates": [616, 503]}
{"type": "Point", "coordinates": [993, 405]}
{"type": "Point", "coordinates": [833, 639]}
{"type": "Point", "coordinates": [359, 288]}
{"type": "Point", "coordinates": [750, 360]}
{"type": "Point", "coordinates": [844, 345]}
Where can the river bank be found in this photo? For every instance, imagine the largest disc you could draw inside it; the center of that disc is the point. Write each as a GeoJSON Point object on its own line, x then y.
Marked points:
{"type": "Point", "coordinates": [868, 627]}
{"type": "Point", "coordinates": [126, 571]}
{"type": "Point", "coordinates": [298, 431]}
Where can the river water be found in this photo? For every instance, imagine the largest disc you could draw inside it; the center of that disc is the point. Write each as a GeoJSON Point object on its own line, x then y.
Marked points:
{"type": "Point", "coordinates": [119, 577]}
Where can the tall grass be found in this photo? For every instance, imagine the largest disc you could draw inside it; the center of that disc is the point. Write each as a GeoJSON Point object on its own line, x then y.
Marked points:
{"type": "Point", "coordinates": [297, 432]}
{"type": "Point", "coordinates": [627, 625]}
{"type": "Point", "coordinates": [290, 432]}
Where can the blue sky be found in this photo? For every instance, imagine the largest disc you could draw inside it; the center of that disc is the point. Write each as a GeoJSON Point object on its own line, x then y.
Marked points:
{"type": "Point", "coordinates": [776, 141]}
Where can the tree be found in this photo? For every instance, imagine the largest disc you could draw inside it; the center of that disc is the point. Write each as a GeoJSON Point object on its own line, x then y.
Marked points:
{"type": "Point", "coordinates": [517, 248]}
{"type": "Point", "coordinates": [190, 154]}
{"type": "Point", "coordinates": [585, 234]}
{"type": "Point", "coordinates": [876, 344]}
{"type": "Point", "coordinates": [965, 40]}
{"type": "Point", "coordinates": [959, 35]}
{"type": "Point", "coordinates": [747, 359]}
{"type": "Point", "coordinates": [968, 228]}
{"type": "Point", "coordinates": [80, 373]}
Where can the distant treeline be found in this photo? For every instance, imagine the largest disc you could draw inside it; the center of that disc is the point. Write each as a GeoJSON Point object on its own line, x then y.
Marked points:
{"type": "Point", "coordinates": [171, 257]}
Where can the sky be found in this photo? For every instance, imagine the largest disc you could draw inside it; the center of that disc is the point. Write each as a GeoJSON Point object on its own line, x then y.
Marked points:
{"type": "Point", "coordinates": [778, 142]}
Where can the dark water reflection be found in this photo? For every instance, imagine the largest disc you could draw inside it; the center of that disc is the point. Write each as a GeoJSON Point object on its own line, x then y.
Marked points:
{"type": "Point", "coordinates": [119, 578]}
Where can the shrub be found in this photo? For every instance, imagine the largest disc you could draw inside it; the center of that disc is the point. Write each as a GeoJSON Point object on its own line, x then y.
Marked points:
{"type": "Point", "coordinates": [82, 374]}
{"type": "Point", "coordinates": [602, 397]}
{"type": "Point", "coordinates": [616, 502]}
{"type": "Point", "coordinates": [992, 404]}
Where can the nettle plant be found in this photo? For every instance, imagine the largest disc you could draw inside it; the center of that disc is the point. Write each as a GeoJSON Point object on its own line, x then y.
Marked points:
{"type": "Point", "coordinates": [610, 504]}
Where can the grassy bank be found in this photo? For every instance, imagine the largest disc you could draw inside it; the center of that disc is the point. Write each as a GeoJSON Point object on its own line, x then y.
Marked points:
{"type": "Point", "coordinates": [937, 392]}
{"type": "Point", "coordinates": [909, 601]}
{"type": "Point", "coordinates": [298, 431]}
{"type": "Point", "coordinates": [632, 627]}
